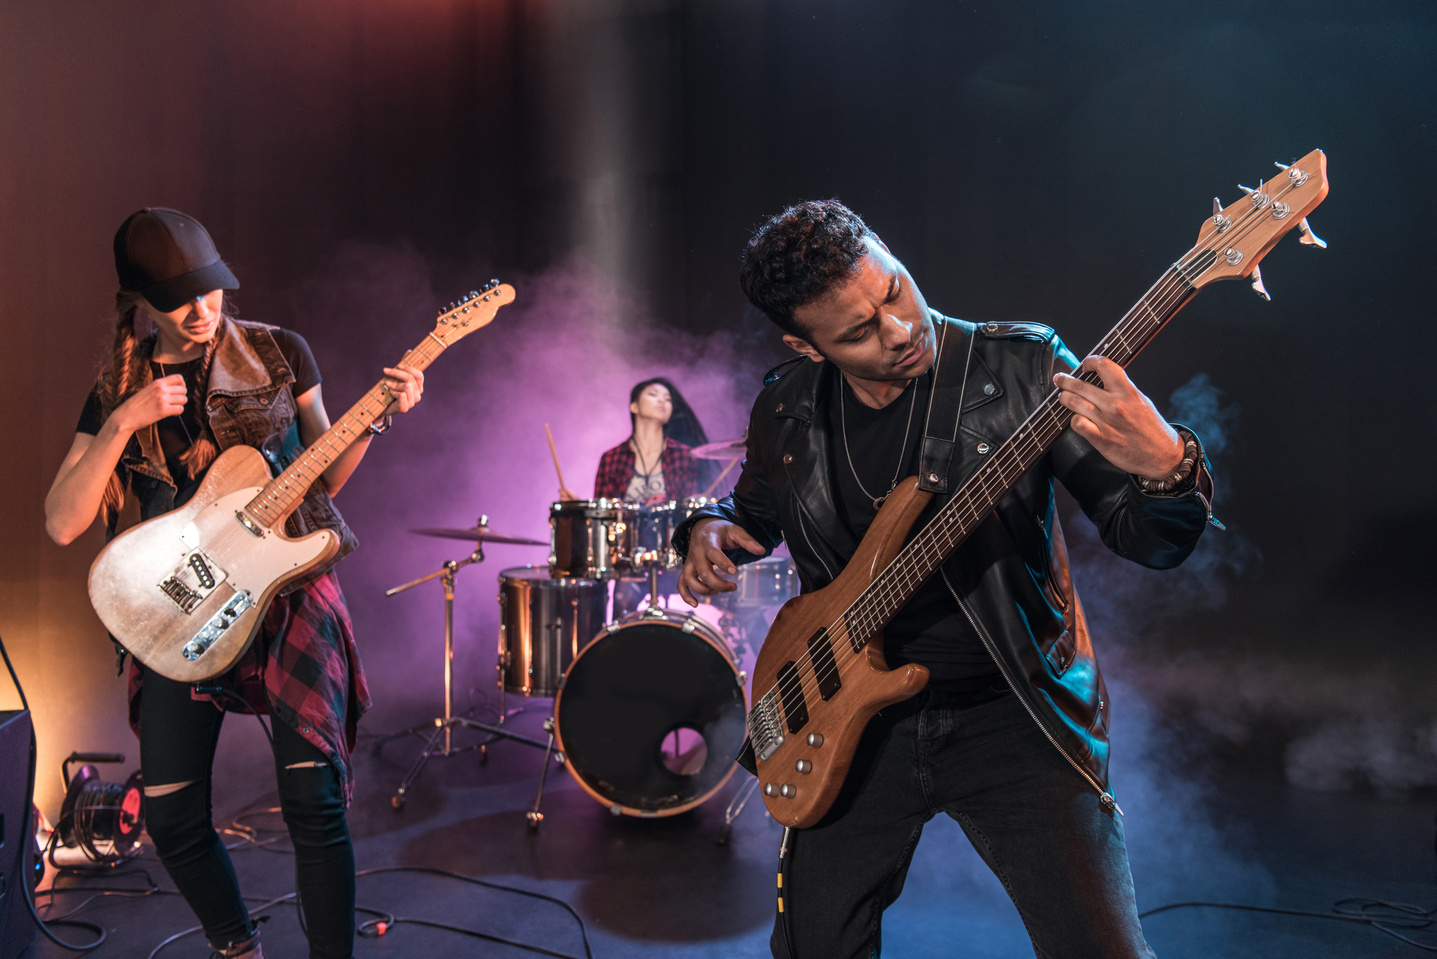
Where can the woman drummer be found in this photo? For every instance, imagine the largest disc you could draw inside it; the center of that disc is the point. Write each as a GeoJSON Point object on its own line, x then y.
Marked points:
{"type": "Point", "coordinates": [654, 464]}
{"type": "Point", "coordinates": [184, 380]}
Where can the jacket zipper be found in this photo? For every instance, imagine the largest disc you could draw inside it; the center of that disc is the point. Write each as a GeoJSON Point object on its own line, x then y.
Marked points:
{"type": "Point", "coordinates": [1104, 797]}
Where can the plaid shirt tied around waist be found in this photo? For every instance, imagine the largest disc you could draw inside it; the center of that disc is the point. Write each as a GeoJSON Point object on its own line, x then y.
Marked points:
{"type": "Point", "coordinates": [303, 669]}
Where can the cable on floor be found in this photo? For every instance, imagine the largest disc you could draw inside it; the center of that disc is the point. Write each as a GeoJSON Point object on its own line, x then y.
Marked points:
{"type": "Point", "coordinates": [1400, 915]}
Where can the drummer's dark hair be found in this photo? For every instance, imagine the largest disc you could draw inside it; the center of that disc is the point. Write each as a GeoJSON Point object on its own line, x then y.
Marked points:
{"type": "Point", "coordinates": [683, 424]}
{"type": "Point", "coordinates": [798, 255]}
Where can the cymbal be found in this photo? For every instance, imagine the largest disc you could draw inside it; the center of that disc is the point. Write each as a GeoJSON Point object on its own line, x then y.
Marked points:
{"type": "Point", "coordinates": [721, 450]}
{"type": "Point", "coordinates": [481, 534]}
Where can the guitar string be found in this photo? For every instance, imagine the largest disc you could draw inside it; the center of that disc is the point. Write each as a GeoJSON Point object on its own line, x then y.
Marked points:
{"type": "Point", "coordinates": [864, 615]}
{"type": "Point", "coordinates": [276, 497]}
{"type": "Point", "coordinates": [856, 618]}
{"type": "Point", "coordinates": [1057, 424]}
{"type": "Point", "coordinates": [853, 618]}
{"type": "Point", "coordinates": [869, 620]}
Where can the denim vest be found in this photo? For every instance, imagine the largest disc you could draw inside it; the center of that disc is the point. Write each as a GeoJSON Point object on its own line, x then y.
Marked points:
{"type": "Point", "coordinates": [250, 402]}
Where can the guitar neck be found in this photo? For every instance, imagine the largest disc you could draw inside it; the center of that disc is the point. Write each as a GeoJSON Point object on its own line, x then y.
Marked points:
{"type": "Point", "coordinates": [282, 495]}
{"type": "Point", "coordinates": [922, 556]}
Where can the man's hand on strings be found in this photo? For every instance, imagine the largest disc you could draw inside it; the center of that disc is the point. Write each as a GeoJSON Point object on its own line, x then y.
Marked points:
{"type": "Point", "coordinates": [706, 559]}
{"type": "Point", "coordinates": [1120, 422]}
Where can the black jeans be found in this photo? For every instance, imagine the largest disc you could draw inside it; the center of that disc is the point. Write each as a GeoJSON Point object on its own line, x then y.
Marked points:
{"type": "Point", "coordinates": [177, 744]}
{"type": "Point", "coordinates": [1035, 821]}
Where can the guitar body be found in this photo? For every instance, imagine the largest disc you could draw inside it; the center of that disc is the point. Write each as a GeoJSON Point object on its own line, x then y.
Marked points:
{"type": "Point", "coordinates": [868, 684]}
{"type": "Point", "coordinates": [186, 592]}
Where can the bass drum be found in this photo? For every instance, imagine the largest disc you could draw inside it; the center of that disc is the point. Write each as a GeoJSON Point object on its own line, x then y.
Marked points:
{"type": "Point", "coordinates": [650, 717]}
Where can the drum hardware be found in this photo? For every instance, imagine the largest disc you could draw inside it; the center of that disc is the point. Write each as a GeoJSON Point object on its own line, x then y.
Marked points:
{"type": "Point", "coordinates": [480, 534]}
{"type": "Point", "coordinates": [735, 809]}
{"type": "Point", "coordinates": [441, 728]}
{"type": "Point", "coordinates": [722, 449]}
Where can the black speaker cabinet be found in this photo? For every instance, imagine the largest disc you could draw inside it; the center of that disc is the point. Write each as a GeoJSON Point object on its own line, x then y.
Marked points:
{"type": "Point", "coordinates": [17, 850]}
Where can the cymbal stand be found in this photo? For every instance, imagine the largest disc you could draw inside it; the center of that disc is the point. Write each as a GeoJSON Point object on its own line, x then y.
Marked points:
{"type": "Point", "coordinates": [443, 726]}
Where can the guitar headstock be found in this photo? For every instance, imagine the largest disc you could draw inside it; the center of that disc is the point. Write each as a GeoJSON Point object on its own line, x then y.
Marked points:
{"type": "Point", "coordinates": [1237, 236]}
{"type": "Point", "coordinates": [458, 320]}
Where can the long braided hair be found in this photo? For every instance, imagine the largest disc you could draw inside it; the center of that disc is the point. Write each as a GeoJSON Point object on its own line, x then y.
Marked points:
{"type": "Point", "coordinates": [127, 371]}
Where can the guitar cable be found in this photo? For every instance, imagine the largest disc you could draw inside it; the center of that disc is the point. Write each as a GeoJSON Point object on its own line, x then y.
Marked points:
{"type": "Point", "coordinates": [783, 863]}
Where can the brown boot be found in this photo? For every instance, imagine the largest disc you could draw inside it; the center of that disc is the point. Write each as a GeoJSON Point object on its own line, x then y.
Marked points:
{"type": "Point", "coordinates": [249, 949]}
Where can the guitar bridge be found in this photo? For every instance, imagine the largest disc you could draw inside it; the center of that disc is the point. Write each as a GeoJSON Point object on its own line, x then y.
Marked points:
{"type": "Point", "coordinates": [765, 728]}
{"type": "Point", "coordinates": [218, 623]}
{"type": "Point", "coordinates": [193, 580]}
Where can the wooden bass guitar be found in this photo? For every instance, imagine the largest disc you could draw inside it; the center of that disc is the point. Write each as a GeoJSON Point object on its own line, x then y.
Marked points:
{"type": "Point", "coordinates": [186, 592]}
{"type": "Point", "coordinates": [820, 675]}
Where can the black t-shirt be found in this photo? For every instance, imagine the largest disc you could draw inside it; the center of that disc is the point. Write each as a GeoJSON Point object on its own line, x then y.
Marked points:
{"type": "Point", "coordinates": [930, 630]}
{"type": "Point", "coordinates": [177, 433]}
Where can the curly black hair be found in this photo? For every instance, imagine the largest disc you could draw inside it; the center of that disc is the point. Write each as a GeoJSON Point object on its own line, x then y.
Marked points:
{"type": "Point", "coordinates": [798, 255]}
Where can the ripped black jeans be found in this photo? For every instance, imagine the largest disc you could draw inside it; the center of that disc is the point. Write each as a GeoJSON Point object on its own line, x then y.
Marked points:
{"type": "Point", "coordinates": [177, 744]}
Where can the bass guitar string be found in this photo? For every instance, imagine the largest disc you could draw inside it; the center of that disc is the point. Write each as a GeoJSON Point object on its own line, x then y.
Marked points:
{"type": "Point", "coordinates": [865, 613]}
{"type": "Point", "coordinates": [855, 618]}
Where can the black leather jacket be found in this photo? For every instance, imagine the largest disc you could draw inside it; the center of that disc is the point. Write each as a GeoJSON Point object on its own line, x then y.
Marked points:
{"type": "Point", "coordinates": [1010, 577]}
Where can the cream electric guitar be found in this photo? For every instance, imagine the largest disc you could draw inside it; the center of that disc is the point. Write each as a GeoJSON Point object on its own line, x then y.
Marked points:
{"type": "Point", "coordinates": [820, 675]}
{"type": "Point", "coordinates": [186, 592]}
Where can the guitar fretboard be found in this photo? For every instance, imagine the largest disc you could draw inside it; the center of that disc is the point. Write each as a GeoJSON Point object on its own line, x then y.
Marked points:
{"type": "Point", "coordinates": [922, 556]}
{"type": "Point", "coordinates": [282, 494]}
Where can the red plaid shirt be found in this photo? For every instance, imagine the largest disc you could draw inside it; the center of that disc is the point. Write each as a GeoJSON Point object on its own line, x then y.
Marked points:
{"type": "Point", "coordinates": [303, 670]}
{"type": "Point", "coordinates": [616, 468]}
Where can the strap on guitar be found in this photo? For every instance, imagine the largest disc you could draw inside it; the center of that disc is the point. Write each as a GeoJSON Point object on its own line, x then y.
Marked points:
{"type": "Point", "coordinates": [945, 403]}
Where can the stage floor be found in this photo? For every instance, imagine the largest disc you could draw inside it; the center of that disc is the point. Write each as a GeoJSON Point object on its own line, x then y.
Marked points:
{"type": "Point", "coordinates": [648, 888]}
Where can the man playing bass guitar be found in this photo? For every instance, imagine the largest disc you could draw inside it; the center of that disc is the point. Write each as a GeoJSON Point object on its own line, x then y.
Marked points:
{"type": "Point", "coordinates": [1009, 737]}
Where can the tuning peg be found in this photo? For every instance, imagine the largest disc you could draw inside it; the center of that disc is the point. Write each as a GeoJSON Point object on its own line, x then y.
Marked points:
{"type": "Point", "coordinates": [1307, 237]}
{"type": "Point", "coordinates": [1218, 220]}
{"type": "Point", "coordinates": [1259, 197]}
{"type": "Point", "coordinates": [1257, 284]}
{"type": "Point", "coordinates": [491, 284]}
{"type": "Point", "coordinates": [1280, 166]}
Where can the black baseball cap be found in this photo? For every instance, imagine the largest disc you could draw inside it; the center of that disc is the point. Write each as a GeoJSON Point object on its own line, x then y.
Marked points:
{"type": "Point", "coordinates": [169, 258]}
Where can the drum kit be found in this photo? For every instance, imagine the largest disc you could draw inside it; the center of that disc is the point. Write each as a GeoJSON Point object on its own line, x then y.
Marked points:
{"type": "Point", "coordinates": [649, 701]}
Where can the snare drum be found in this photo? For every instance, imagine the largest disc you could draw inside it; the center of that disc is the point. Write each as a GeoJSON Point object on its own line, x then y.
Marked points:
{"type": "Point", "coordinates": [650, 716]}
{"type": "Point", "coordinates": [771, 581]}
{"type": "Point", "coordinates": [543, 623]}
{"type": "Point", "coordinates": [592, 539]}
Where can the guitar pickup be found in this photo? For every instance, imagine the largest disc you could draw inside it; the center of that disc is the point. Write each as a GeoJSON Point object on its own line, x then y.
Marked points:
{"type": "Point", "coordinates": [193, 580]}
{"type": "Point", "coordinates": [825, 668]}
{"type": "Point", "coordinates": [218, 623]}
{"type": "Point", "coordinates": [790, 693]}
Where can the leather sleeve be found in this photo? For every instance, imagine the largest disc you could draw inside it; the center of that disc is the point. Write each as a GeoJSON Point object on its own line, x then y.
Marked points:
{"type": "Point", "coordinates": [1153, 530]}
{"type": "Point", "coordinates": [752, 505]}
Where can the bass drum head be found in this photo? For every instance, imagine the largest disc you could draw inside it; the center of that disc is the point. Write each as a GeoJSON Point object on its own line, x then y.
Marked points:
{"type": "Point", "coordinates": [650, 717]}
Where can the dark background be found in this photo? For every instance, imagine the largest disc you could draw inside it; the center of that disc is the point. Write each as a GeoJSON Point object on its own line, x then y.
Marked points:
{"type": "Point", "coordinates": [360, 162]}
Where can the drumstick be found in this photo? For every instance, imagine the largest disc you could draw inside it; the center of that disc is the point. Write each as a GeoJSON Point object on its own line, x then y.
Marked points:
{"type": "Point", "coordinates": [719, 478]}
{"type": "Point", "coordinates": [554, 453]}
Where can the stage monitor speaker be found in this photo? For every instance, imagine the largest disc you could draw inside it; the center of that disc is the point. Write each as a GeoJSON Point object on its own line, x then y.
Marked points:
{"type": "Point", "coordinates": [17, 849]}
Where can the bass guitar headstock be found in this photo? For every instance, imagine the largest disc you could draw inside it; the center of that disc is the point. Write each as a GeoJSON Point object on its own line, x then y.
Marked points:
{"type": "Point", "coordinates": [473, 312]}
{"type": "Point", "coordinates": [1237, 236]}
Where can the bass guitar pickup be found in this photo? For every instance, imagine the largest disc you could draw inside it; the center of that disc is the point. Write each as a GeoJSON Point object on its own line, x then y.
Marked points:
{"type": "Point", "coordinates": [194, 579]}
{"type": "Point", "coordinates": [217, 625]}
